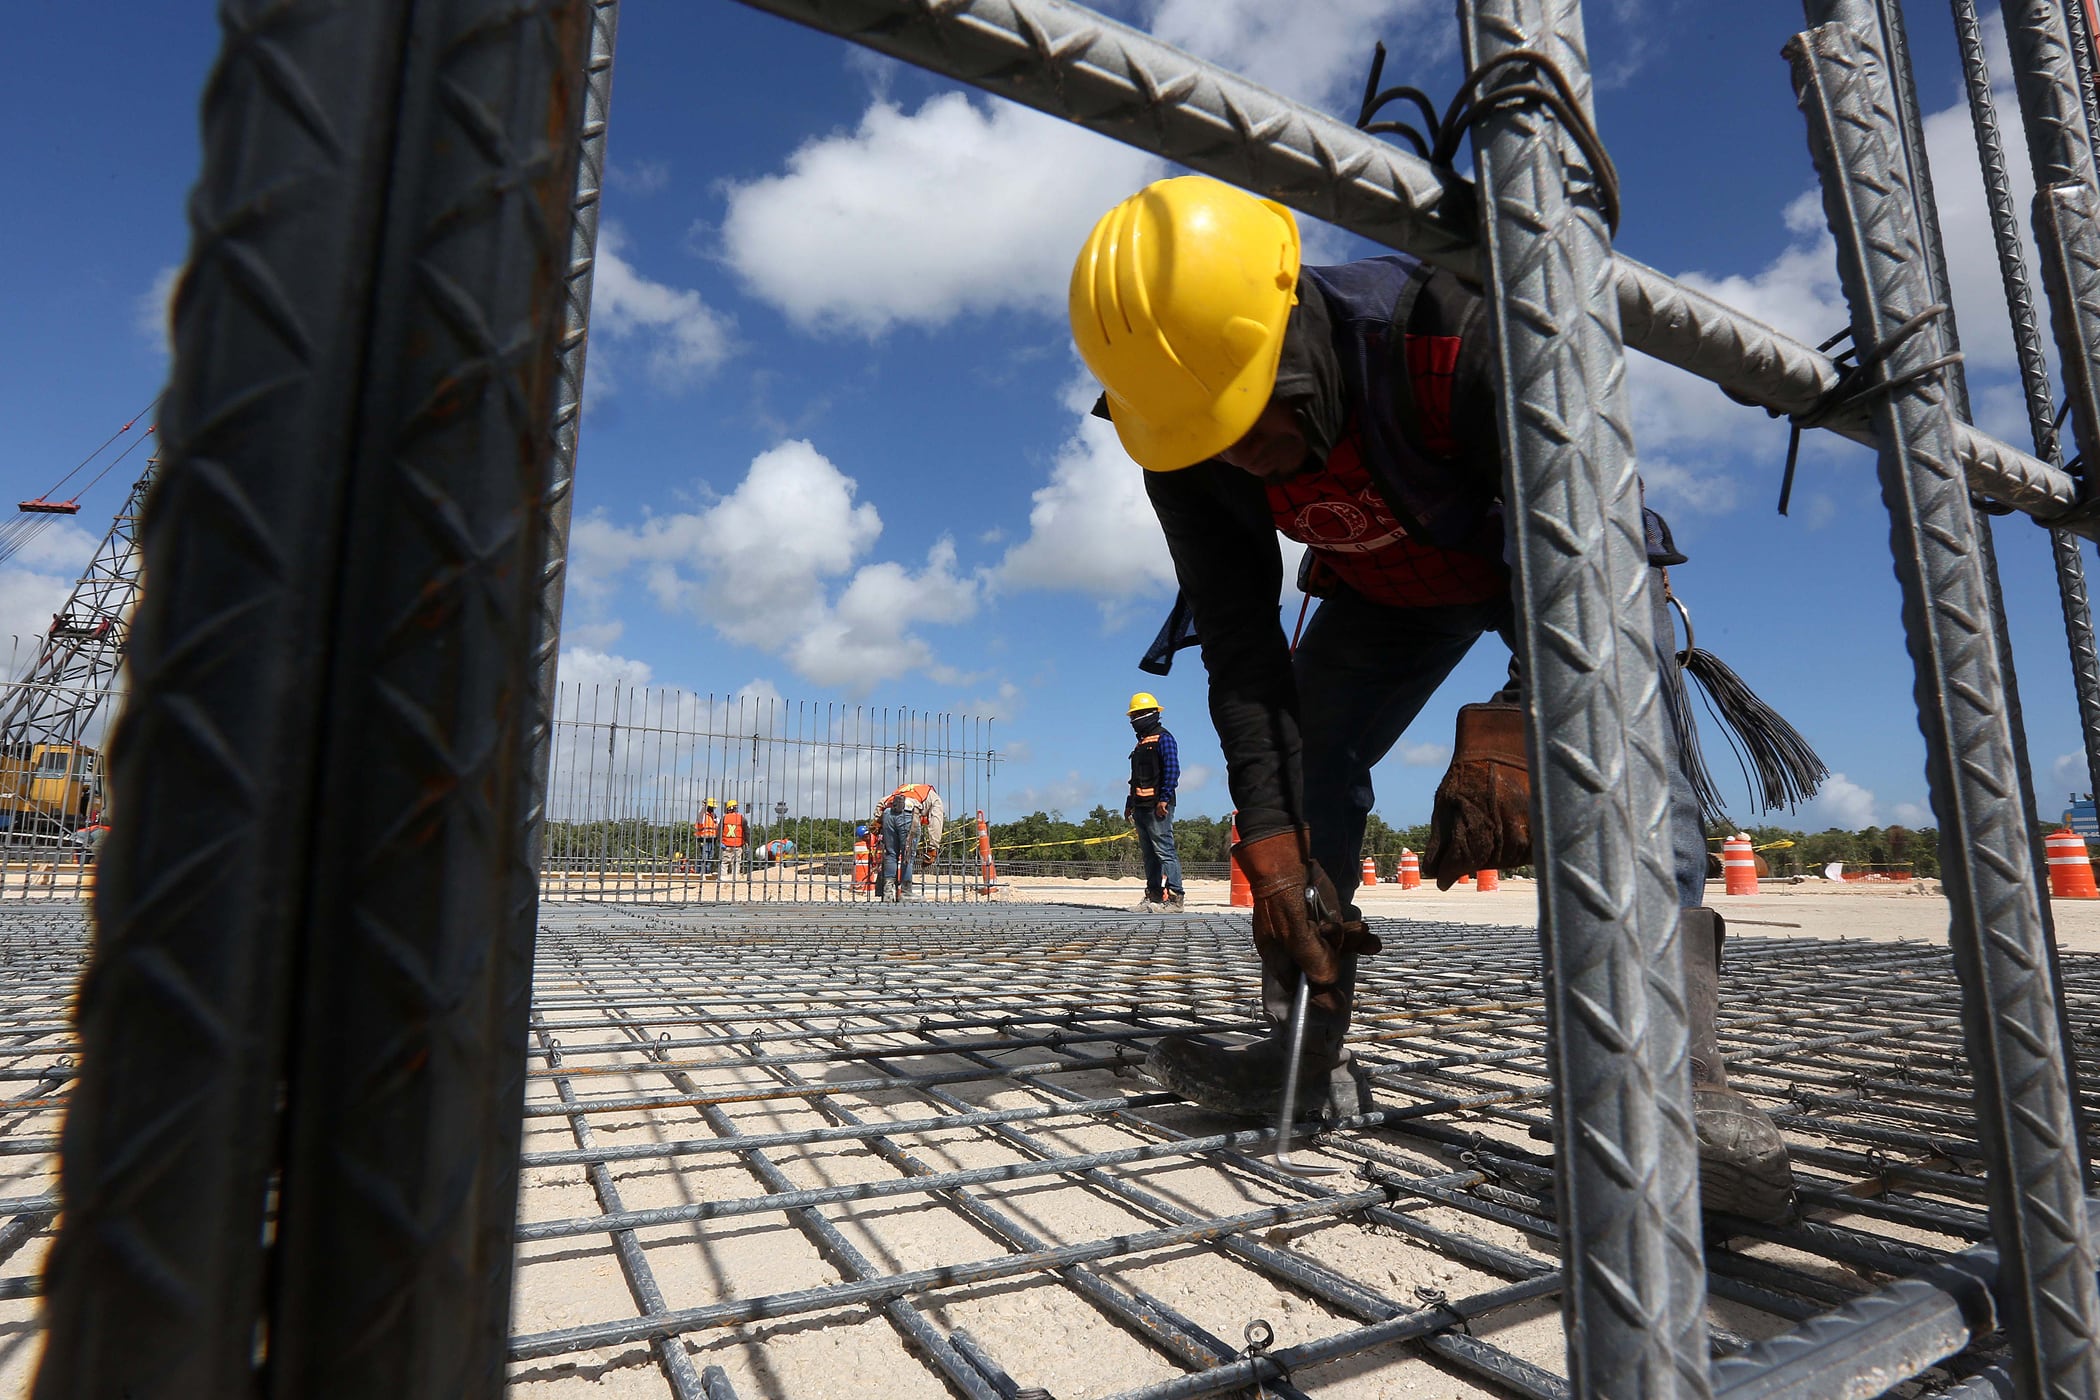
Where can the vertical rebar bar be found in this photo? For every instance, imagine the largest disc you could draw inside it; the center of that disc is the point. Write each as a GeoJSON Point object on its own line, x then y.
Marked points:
{"type": "Point", "coordinates": [2059, 147]}
{"type": "Point", "coordinates": [2041, 422]}
{"type": "Point", "coordinates": [2000, 948]}
{"type": "Point", "coordinates": [1635, 1304]}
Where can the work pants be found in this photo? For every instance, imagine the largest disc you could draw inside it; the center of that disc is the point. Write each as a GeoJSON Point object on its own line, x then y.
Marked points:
{"type": "Point", "coordinates": [900, 842]}
{"type": "Point", "coordinates": [1156, 845]}
{"type": "Point", "coordinates": [1365, 671]}
{"type": "Point", "coordinates": [704, 858]}
{"type": "Point", "coordinates": [732, 862]}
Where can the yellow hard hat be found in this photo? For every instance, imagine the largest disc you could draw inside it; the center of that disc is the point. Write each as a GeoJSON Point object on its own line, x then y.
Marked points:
{"type": "Point", "coordinates": [732, 802]}
{"type": "Point", "coordinates": [1179, 302]}
{"type": "Point", "coordinates": [1143, 700]}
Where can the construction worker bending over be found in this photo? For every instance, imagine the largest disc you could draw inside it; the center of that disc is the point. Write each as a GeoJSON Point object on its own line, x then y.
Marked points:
{"type": "Point", "coordinates": [1155, 771]}
{"type": "Point", "coordinates": [732, 842]}
{"type": "Point", "coordinates": [910, 820]}
{"type": "Point", "coordinates": [706, 832]}
{"type": "Point", "coordinates": [1351, 408]}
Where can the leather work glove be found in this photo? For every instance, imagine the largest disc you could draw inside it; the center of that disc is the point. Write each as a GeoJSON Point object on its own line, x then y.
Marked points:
{"type": "Point", "coordinates": [1280, 869]}
{"type": "Point", "coordinates": [1482, 816]}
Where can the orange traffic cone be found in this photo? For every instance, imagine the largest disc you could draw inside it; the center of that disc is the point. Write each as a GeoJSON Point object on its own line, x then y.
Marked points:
{"type": "Point", "coordinates": [1242, 888]}
{"type": "Point", "coordinates": [2070, 868]}
{"type": "Point", "coordinates": [984, 854]}
{"type": "Point", "coordinates": [1410, 870]}
{"type": "Point", "coordinates": [1488, 880]}
{"type": "Point", "coordinates": [863, 877]}
{"type": "Point", "coordinates": [1370, 875]}
{"type": "Point", "coordinates": [1739, 866]}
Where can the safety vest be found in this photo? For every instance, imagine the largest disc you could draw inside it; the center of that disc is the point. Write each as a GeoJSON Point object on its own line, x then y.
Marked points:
{"type": "Point", "coordinates": [705, 827]}
{"type": "Point", "coordinates": [909, 797]}
{"type": "Point", "coordinates": [733, 829]}
{"type": "Point", "coordinates": [1147, 770]}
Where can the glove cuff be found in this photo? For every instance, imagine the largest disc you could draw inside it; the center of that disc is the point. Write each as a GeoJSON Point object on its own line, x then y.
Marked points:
{"type": "Point", "coordinates": [1277, 863]}
{"type": "Point", "coordinates": [1490, 732]}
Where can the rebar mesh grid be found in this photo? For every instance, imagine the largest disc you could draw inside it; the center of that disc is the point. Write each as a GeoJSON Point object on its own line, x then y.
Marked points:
{"type": "Point", "coordinates": [772, 1148]}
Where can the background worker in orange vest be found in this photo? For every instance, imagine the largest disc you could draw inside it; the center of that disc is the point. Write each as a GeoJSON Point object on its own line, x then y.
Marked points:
{"type": "Point", "coordinates": [1155, 771]}
{"type": "Point", "coordinates": [910, 820]}
{"type": "Point", "coordinates": [707, 829]}
{"type": "Point", "coordinates": [732, 842]}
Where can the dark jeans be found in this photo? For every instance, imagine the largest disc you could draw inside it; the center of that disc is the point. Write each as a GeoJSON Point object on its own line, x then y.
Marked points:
{"type": "Point", "coordinates": [704, 858]}
{"type": "Point", "coordinates": [900, 843]}
{"type": "Point", "coordinates": [1364, 672]}
{"type": "Point", "coordinates": [1156, 843]}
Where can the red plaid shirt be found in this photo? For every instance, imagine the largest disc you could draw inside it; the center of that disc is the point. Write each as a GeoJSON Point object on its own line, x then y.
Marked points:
{"type": "Point", "coordinates": [1338, 512]}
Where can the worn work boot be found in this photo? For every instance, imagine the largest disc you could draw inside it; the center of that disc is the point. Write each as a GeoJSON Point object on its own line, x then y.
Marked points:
{"type": "Point", "coordinates": [1170, 903]}
{"type": "Point", "coordinates": [1149, 903]}
{"type": "Point", "coordinates": [1247, 1081]}
{"type": "Point", "coordinates": [1743, 1166]}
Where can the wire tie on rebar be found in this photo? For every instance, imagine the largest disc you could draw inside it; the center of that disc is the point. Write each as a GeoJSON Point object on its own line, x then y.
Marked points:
{"type": "Point", "coordinates": [1431, 1296]}
{"type": "Point", "coordinates": [1384, 1181]}
{"type": "Point", "coordinates": [1850, 389]}
{"type": "Point", "coordinates": [1260, 1336]}
{"type": "Point", "coordinates": [553, 1054]}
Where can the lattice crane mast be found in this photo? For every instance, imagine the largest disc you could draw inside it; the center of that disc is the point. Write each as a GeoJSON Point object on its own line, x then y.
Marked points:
{"type": "Point", "coordinates": [55, 699]}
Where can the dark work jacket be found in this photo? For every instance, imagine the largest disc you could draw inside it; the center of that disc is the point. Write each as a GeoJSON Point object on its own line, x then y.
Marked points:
{"type": "Point", "coordinates": [1222, 535]}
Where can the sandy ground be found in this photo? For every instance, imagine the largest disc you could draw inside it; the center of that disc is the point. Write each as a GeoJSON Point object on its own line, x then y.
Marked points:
{"type": "Point", "coordinates": [1811, 909]}
{"type": "Point", "coordinates": [1045, 1333]}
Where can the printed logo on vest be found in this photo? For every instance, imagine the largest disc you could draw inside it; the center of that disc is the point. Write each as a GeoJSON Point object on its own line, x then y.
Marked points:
{"type": "Point", "coordinates": [1346, 525]}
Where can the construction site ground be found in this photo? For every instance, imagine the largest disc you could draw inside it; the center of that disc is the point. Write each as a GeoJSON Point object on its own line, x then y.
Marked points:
{"type": "Point", "coordinates": [841, 1149]}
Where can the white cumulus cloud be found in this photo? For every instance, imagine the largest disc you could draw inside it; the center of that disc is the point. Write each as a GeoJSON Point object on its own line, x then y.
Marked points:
{"type": "Point", "coordinates": [680, 337]}
{"type": "Point", "coordinates": [1091, 528]}
{"type": "Point", "coordinates": [153, 313]}
{"type": "Point", "coordinates": [763, 566]}
{"type": "Point", "coordinates": [919, 217]}
{"type": "Point", "coordinates": [34, 584]}
{"type": "Point", "coordinates": [1314, 50]}
{"type": "Point", "coordinates": [1842, 803]}
{"type": "Point", "coordinates": [583, 667]}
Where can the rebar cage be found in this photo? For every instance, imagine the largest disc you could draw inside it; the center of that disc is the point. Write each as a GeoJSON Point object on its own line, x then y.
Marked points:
{"type": "Point", "coordinates": [311, 995]}
{"type": "Point", "coordinates": [636, 767]}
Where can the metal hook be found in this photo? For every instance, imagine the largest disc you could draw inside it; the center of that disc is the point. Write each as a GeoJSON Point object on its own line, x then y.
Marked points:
{"type": "Point", "coordinates": [1301, 1009]}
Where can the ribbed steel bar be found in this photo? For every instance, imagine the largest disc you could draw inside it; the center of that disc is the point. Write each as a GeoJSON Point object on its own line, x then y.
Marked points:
{"type": "Point", "coordinates": [634, 1260]}
{"type": "Point", "coordinates": [1071, 62]}
{"type": "Point", "coordinates": [558, 504]}
{"type": "Point", "coordinates": [1635, 1302]}
{"type": "Point", "coordinates": [2059, 147]}
{"type": "Point", "coordinates": [2066, 553]}
{"type": "Point", "coordinates": [778, 979]}
{"type": "Point", "coordinates": [1998, 938]}
{"type": "Point", "coordinates": [841, 1251]}
{"type": "Point", "coordinates": [2034, 375]}
{"type": "Point", "coordinates": [1884, 20]}
{"type": "Point", "coordinates": [315, 321]}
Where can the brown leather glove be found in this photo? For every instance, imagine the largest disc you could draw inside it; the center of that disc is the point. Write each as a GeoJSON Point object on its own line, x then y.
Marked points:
{"type": "Point", "coordinates": [1482, 816]}
{"type": "Point", "coordinates": [1280, 868]}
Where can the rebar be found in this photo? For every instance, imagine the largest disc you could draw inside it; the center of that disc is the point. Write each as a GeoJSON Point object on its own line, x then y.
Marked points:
{"type": "Point", "coordinates": [1635, 1307]}
{"type": "Point", "coordinates": [1999, 940]}
{"type": "Point", "coordinates": [1069, 1178]}
{"type": "Point", "coordinates": [1067, 60]}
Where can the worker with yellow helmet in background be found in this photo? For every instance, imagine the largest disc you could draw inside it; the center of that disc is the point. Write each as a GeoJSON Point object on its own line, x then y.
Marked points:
{"type": "Point", "coordinates": [1155, 772]}
{"type": "Point", "coordinates": [1351, 408]}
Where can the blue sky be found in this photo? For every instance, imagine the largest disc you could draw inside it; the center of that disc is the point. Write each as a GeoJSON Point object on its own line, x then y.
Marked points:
{"type": "Point", "coordinates": [834, 444]}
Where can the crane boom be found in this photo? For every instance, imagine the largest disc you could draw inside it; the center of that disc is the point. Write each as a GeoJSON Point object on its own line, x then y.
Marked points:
{"type": "Point", "coordinates": [54, 701]}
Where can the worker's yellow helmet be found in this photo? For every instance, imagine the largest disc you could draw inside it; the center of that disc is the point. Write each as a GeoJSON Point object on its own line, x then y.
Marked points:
{"type": "Point", "coordinates": [1179, 302]}
{"type": "Point", "coordinates": [1142, 701]}
{"type": "Point", "coordinates": [732, 804]}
